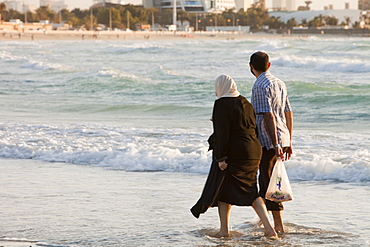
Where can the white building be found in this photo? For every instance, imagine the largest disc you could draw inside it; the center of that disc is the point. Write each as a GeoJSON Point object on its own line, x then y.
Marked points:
{"type": "Point", "coordinates": [19, 6]}
{"type": "Point", "coordinates": [46, 3]}
{"type": "Point", "coordinates": [199, 6]}
{"type": "Point", "coordinates": [222, 5]}
{"type": "Point", "coordinates": [341, 15]}
{"type": "Point", "coordinates": [285, 5]}
{"type": "Point", "coordinates": [290, 5]}
{"type": "Point", "coordinates": [243, 4]}
{"type": "Point", "coordinates": [56, 6]}
{"type": "Point", "coordinates": [109, 1]}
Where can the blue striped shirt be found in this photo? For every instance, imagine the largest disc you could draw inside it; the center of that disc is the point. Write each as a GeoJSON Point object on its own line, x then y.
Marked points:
{"type": "Point", "coordinates": [269, 94]}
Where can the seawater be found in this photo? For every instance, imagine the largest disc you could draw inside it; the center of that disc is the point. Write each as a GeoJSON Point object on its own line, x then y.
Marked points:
{"type": "Point", "coordinates": [146, 105]}
{"type": "Point", "coordinates": [133, 118]}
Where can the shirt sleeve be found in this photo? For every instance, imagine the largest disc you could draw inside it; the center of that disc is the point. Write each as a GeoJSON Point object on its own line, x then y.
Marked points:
{"type": "Point", "coordinates": [288, 108]}
{"type": "Point", "coordinates": [221, 127]}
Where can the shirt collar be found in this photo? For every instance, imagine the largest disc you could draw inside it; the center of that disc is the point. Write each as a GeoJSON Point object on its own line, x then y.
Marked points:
{"type": "Point", "coordinates": [264, 74]}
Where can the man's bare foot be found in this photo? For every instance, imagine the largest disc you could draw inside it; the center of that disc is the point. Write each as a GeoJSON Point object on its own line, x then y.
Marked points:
{"type": "Point", "coordinates": [274, 237]}
{"type": "Point", "coordinates": [279, 228]}
{"type": "Point", "coordinates": [278, 220]}
{"type": "Point", "coordinates": [222, 235]}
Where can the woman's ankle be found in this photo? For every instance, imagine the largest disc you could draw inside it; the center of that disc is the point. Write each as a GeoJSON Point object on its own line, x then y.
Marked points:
{"type": "Point", "coordinates": [223, 234]}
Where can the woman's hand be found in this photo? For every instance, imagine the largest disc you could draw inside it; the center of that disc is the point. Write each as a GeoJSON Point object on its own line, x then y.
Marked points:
{"type": "Point", "coordinates": [222, 165]}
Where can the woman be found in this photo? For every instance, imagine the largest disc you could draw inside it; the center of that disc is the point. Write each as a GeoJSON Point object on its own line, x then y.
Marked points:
{"type": "Point", "coordinates": [236, 155]}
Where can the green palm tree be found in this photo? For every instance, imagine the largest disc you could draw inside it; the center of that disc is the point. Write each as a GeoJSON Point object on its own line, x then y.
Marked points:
{"type": "Point", "coordinates": [2, 9]}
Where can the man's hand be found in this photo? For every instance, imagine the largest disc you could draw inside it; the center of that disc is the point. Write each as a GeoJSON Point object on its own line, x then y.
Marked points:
{"type": "Point", "coordinates": [222, 165]}
{"type": "Point", "coordinates": [289, 152]}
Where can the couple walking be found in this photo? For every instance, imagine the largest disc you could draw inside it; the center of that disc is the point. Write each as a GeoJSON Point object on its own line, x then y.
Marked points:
{"type": "Point", "coordinates": [247, 137]}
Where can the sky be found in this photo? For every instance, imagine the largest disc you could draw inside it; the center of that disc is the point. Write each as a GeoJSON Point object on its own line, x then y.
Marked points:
{"type": "Point", "coordinates": [316, 4]}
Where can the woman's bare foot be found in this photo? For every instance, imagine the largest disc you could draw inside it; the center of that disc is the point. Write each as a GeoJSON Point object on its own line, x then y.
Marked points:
{"type": "Point", "coordinates": [222, 235]}
{"type": "Point", "coordinates": [271, 234]}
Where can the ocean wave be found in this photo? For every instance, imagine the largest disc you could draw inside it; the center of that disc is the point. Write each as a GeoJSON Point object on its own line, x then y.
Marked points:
{"type": "Point", "coordinates": [158, 110]}
{"type": "Point", "coordinates": [115, 148]}
{"type": "Point", "coordinates": [134, 48]}
{"type": "Point", "coordinates": [26, 63]}
{"type": "Point", "coordinates": [7, 56]}
{"type": "Point", "coordinates": [318, 156]}
{"type": "Point", "coordinates": [351, 93]}
{"type": "Point", "coordinates": [270, 45]}
{"type": "Point", "coordinates": [170, 84]}
{"type": "Point", "coordinates": [343, 157]}
{"type": "Point", "coordinates": [116, 73]}
{"type": "Point", "coordinates": [41, 65]}
{"type": "Point", "coordinates": [324, 64]}
{"type": "Point", "coordinates": [343, 169]}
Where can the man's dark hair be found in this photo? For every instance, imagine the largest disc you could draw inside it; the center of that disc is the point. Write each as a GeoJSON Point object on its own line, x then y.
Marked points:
{"type": "Point", "coordinates": [260, 61]}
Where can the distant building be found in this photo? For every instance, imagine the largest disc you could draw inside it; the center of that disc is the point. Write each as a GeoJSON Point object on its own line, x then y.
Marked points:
{"type": "Point", "coordinates": [290, 5]}
{"type": "Point", "coordinates": [283, 5]}
{"type": "Point", "coordinates": [19, 6]}
{"type": "Point", "coordinates": [56, 6]}
{"type": "Point", "coordinates": [14, 5]}
{"type": "Point", "coordinates": [194, 6]}
{"type": "Point", "coordinates": [330, 6]}
{"type": "Point", "coordinates": [243, 4]}
{"type": "Point", "coordinates": [224, 4]}
{"type": "Point", "coordinates": [44, 3]}
{"type": "Point", "coordinates": [364, 4]}
{"type": "Point", "coordinates": [200, 6]}
{"type": "Point", "coordinates": [104, 2]}
{"type": "Point", "coordinates": [19, 26]}
{"type": "Point", "coordinates": [341, 15]}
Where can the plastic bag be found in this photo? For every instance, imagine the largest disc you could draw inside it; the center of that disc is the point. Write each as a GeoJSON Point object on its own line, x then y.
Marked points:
{"type": "Point", "coordinates": [279, 189]}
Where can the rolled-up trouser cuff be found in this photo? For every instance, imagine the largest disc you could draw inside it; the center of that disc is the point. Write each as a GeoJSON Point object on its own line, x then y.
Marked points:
{"type": "Point", "coordinates": [274, 206]}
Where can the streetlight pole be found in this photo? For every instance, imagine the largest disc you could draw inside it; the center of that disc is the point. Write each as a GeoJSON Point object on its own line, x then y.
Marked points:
{"type": "Point", "coordinates": [91, 19]}
{"type": "Point", "coordinates": [25, 12]}
{"type": "Point", "coordinates": [174, 12]}
{"type": "Point", "coordinates": [128, 19]}
{"type": "Point", "coordinates": [152, 20]}
{"type": "Point", "coordinates": [196, 22]}
{"type": "Point", "coordinates": [110, 18]}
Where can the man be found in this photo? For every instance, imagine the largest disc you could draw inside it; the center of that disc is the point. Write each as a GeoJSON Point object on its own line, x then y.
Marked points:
{"type": "Point", "coordinates": [274, 123]}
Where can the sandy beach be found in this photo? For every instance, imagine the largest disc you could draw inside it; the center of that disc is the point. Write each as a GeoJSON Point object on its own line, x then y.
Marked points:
{"type": "Point", "coordinates": [137, 35]}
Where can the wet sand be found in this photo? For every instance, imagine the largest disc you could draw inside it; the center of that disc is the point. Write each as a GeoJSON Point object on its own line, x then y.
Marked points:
{"type": "Point", "coordinates": [62, 204]}
{"type": "Point", "coordinates": [138, 35]}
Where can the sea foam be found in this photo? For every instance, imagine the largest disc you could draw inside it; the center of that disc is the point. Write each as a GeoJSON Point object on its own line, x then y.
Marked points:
{"type": "Point", "coordinates": [175, 150]}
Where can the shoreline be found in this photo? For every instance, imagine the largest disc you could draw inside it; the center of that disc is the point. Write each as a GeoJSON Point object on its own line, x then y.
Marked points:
{"type": "Point", "coordinates": [51, 203]}
{"type": "Point", "coordinates": [146, 35]}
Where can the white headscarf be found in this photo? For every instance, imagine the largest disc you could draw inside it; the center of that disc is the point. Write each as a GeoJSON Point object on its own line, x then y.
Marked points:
{"type": "Point", "coordinates": [225, 86]}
